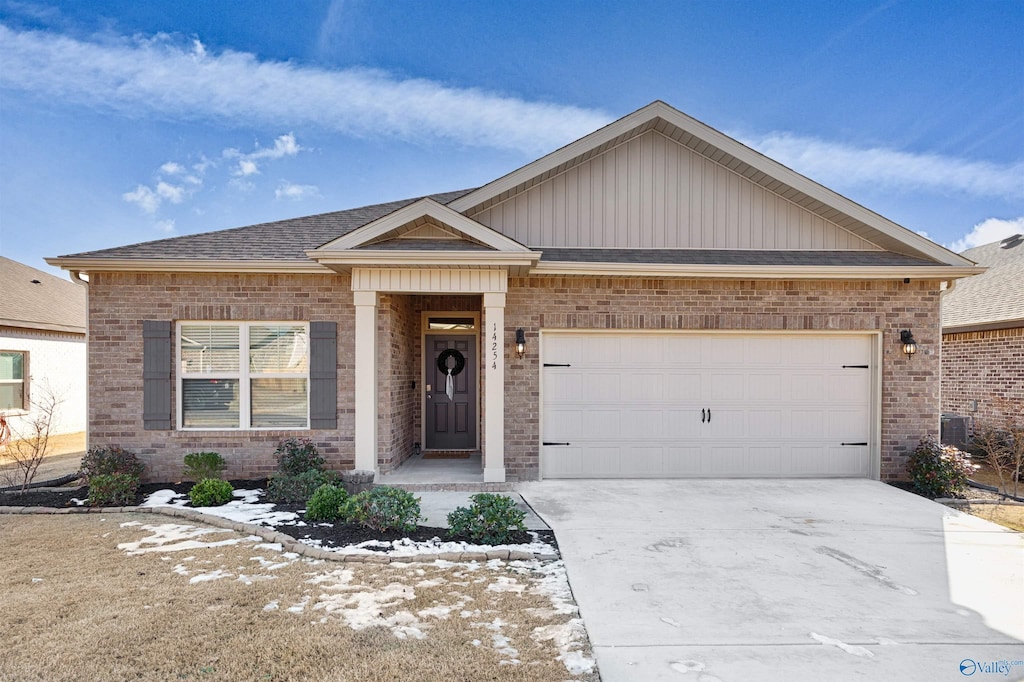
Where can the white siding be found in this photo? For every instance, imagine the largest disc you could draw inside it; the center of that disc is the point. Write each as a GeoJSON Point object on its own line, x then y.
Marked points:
{"type": "Point", "coordinates": [652, 192]}
{"type": "Point", "coordinates": [57, 361]}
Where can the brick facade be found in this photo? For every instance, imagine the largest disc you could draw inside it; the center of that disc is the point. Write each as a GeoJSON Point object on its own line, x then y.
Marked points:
{"type": "Point", "coordinates": [910, 385]}
{"type": "Point", "coordinates": [984, 366]}
{"type": "Point", "coordinates": [119, 302]}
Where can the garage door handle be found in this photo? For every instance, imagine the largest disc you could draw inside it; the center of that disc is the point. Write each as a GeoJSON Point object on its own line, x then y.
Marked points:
{"type": "Point", "coordinates": [854, 443]}
{"type": "Point", "coordinates": [552, 364]}
{"type": "Point", "coordinates": [855, 367]}
{"type": "Point", "coordinates": [547, 442]}
{"type": "Point", "coordinates": [709, 415]}
{"type": "Point", "coordinates": [702, 416]}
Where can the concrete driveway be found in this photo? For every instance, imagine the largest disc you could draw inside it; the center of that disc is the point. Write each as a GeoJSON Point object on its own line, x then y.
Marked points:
{"type": "Point", "coordinates": [786, 580]}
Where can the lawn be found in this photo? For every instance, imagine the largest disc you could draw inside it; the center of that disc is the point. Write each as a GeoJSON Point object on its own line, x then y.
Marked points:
{"type": "Point", "coordinates": [135, 596]}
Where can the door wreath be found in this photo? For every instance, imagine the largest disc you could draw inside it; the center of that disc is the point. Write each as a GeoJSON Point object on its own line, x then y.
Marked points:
{"type": "Point", "coordinates": [459, 358]}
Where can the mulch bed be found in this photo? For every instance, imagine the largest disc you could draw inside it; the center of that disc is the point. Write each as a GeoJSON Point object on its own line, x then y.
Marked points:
{"type": "Point", "coordinates": [334, 535]}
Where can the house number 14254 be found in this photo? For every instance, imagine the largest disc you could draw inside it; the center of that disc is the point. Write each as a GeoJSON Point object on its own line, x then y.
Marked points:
{"type": "Point", "coordinates": [494, 346]}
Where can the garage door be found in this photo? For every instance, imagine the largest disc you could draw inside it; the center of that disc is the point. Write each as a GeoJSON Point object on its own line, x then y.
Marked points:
{"type": "Point", "coordinates": [637, 405]}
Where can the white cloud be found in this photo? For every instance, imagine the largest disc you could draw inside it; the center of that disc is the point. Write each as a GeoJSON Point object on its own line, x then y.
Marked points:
{"type": "Point", "coordinates": [172, 168]}
{"type": "Point", "coordinates": [247, 167]}
{"type": "Point", "coordinates": [165, 226]}
{"type": "Point", "coordinates": [288, 190]}
{"type": "Point", "coordinates": [172, 193]}
{"type": "Point", "coordinates": [841, 165]}
{"type": "Point", "coordinates": [156, 76]}
{"type": "Point", "coordinates": [988, 231]}
{"type": "Point", "coordinates": [144, 198]}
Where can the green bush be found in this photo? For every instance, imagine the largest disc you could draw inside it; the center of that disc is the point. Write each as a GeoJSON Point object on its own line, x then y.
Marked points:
{"type": "Point", "coordinates": [325, 503]}
{"type": "Point", "coordinates": [210, 492]}
{"type": "Point", "coordinates": [203, 465]}
{"type": "Point", "coordinates": [113, 490]}
{"type": "Point", "coordinates": [383, 508]}
{"type": "Point", "coordinates": [939, 470]}
{"type": "Point", "coordinates": [110, 460]}
{"type": "Point", "coordinates": [298, 488]}
{"type": "Point", "coordinates": [298, 455]}
{"type": "Point", "coordinates": [490, 519]}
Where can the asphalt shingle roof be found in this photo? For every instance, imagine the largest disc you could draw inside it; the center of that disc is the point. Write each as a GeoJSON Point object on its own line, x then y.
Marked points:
{"type": "Point", "coordinates": [731, 257]}
{"type": "Point", "coordinates": [48, 302]}
{"type": "Point", "coordinates": [284, 240]}
{"type": "Point", "coordinates": [994, 296]}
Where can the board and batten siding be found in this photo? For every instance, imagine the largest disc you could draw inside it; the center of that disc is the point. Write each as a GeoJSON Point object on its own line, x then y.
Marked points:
{"type": "Point", "coordinates": [652, 192]}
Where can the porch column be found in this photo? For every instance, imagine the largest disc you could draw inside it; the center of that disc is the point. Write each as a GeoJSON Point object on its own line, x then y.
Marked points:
{"type": "Point", "coordinates": [366, 379]}
{"type": "Point", "coordinates": [494, 387]}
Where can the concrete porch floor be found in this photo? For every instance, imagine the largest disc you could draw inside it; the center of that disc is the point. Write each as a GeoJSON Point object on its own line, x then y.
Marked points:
{"type": "Point", "coordinates": [417, 470]}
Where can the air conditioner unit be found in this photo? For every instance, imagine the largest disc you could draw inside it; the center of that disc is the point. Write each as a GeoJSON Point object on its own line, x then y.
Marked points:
{"type": "Point", "coordinates": [956, 430]}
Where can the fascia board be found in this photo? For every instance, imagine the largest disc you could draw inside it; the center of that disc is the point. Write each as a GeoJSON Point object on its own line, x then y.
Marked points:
{"type": "Point", "coordinates": [426, 258]}
{"type": "Point", "coordinates": [941, 272]}
{"type": "Point", "coordinates": [414, 211]}
{"type": "Point", "coordinates": [42, 326]}
{"type": "Point", "coordinates": [87, 265]}
{"type": "Point", "coordinates": [760, 162]}
{"type": "Point", "coordinates": [982, 326]}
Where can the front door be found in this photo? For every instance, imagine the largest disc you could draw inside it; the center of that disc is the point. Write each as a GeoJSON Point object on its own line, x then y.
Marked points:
{"type": "Point", "coordinates": [450, 381]}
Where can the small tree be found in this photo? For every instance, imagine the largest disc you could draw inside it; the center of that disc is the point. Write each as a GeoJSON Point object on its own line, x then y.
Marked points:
{"type": "Point", "coordinates": [28, 446]}
{"type": "Point", "coordinates": [999, 442]}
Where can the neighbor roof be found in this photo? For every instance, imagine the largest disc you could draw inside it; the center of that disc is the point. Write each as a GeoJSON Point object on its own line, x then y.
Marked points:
{"type": "Point", "coordinates": [33, 299]}
{"type": "Point", "coordinates": [991, 300]}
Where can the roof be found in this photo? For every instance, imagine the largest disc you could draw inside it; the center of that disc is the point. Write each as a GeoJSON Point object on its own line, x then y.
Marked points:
{"type": "Point", "coordinates": [991, 300]}
{"type": "Point", "coordinates": [33, 299]}
{"type": "Point", "coordinates": [276, 241]}
{"type": "Point", "coordinates": [361, 236]}
{"type": "Point", "coordinates": [732, 257]}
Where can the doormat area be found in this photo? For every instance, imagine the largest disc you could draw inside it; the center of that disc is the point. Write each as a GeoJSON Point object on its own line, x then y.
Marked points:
{"type": "Point", "coordinates": [447, 454]}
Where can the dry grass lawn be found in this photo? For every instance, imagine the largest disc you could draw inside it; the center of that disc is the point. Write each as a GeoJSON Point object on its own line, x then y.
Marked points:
{"type": "Point", "coordinates": [217, 606]}
{"type": "Point", "coordinates": [1011, 517]}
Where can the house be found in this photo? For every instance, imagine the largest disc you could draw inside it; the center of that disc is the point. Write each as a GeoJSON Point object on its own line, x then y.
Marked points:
{"type": "Point", "coordinates": [42, 349]}
{"type": "Point", "coordinates": [983, 335]}
{"type": "Point", "coordinates": [652, 300]}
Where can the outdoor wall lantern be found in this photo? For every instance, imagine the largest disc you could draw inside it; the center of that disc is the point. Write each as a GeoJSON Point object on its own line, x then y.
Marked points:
{"type": "Point", "coordinates": [909, 344]}
{"type": "Point", "coordinates": [520, 342]}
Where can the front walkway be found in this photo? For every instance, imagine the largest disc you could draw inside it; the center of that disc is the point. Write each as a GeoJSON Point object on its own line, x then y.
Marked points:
{"type": "Point", "coordinates": [781, 580]}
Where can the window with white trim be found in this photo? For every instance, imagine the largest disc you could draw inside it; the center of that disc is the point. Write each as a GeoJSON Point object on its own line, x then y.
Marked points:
{"type": "Point", "coordinates": [243, 375]}
{"type": "Point", "coordinates": [13, 380]}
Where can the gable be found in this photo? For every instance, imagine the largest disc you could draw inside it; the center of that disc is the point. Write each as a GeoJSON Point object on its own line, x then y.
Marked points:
{"type": "Point", "coordinates": [653, 192]}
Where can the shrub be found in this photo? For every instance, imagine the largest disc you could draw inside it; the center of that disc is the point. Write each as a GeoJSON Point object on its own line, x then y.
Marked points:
{"type": "Point", "coordinates": [298, 488]}
{"type": "Point", "coordinates": [203, 465]}
{"type": "Point", "coordinates": [113, 490]}
{"type": "Point", "coordinates": [210, 492]}
{"type": "Point", "coordinates": [111, 460]}
{"type": "Point", "coordinates": [939, 470]}
{"type": "Point", "coordinates": [325, 503]}
{"type": "Point", "coordinates": [298, 455]}
{"type": "Point", "coordinates": [490, 519]}
{"type": "Point", "coordinates": [383, 508]}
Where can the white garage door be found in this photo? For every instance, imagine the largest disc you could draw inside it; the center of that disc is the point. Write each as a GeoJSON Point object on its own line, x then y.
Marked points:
{"type": "Point", "coordinates": [655, 405]}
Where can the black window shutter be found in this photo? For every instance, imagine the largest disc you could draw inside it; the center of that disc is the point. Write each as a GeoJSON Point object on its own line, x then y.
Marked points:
{"type": "Point", "coordinates": [323, 375]}
{"type": "Point", "coordinates": [156, 375]}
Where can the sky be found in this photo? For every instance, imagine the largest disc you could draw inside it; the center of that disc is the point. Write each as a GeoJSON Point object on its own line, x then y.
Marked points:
{"type": "Point", "coordinates": [125, 121]}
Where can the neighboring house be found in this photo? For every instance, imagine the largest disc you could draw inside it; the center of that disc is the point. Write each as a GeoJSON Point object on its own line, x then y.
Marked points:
{"type": "Point", "coordinates": [983, 334]}
{"type": "Point", "coordinates": [42, 348]}
{"type": "Point", "coordinates": [686, 307]}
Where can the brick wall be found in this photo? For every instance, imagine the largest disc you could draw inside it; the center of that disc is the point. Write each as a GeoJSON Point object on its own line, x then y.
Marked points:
{"type": "Point", "coordinates": [119, 302]}
{"type": "Point", "coordinates": [910, 386]}
{"type": "Point", "coordinates": [985, 366]}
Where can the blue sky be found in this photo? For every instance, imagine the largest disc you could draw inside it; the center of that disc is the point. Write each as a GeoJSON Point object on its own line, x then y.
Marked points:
{"type": "Point", "coordinates": [126, 121]}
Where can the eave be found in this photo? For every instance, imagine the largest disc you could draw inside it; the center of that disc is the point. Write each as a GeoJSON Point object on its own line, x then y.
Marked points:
{"type": "Point", "coordinates": [938, 272]}
{"type": "Point", "coordinates": [982, 326]}
{"type": "Point", "coordinates": [517, 262]}
{"type": "Point", "coordinates": [87, 265]}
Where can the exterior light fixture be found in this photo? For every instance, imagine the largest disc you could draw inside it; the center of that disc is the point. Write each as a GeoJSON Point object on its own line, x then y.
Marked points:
{"type": "Point", "coordinates": [909, 344]}
{"type": "Point", "coordinates": [520, 342]}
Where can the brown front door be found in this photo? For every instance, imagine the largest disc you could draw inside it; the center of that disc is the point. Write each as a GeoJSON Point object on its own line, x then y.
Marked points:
{"type": "Point", "coordinates": [451, 421]}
